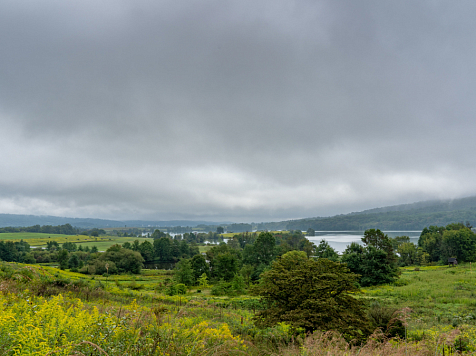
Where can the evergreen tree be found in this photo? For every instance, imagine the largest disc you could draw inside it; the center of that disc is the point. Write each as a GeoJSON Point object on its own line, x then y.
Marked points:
{"type": "Point", "coordinates": [73, 261]}
{"type": "Point", "coordinates": [183, 272]}
{"type": "Point", "coordinates": [63, 258]}
{"type": "Point", "coordinates": [314, 295]}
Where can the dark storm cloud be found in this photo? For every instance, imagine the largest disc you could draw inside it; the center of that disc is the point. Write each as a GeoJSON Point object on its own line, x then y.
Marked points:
{"type": "Point", "coordinates": [234, 110]}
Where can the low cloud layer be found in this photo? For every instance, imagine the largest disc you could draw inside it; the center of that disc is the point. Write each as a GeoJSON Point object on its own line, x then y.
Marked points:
{"type": "Point", "coordinates": [236, 110]}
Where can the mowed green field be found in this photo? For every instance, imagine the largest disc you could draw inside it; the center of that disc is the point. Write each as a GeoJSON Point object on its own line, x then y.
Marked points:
{"type": "Point", "coordinates": [40, 239]}
{"type": "Point", "coordinates": [229, 235]}
{"type": "Point", "coordinates": [104, 242]}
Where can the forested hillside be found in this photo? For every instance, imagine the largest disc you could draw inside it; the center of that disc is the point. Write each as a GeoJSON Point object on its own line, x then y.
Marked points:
{"type": "Point", "coordinates": [400, 217]}
{"type": "Point", "coordinates": [414, 216]}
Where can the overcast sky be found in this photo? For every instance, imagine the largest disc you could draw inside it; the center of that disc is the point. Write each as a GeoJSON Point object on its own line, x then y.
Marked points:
{"type": "Point", "coordinates": [234, 110]}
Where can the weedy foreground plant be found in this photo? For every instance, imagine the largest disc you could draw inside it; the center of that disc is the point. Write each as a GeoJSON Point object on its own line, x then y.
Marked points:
{"type": "Point", "coordinates": [44, 311]}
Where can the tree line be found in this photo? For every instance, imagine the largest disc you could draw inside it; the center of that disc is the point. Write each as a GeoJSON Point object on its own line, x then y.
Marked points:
{"type": "Point", "coordinates": [65, 229]}
{"type": "Point", "coordinates": [239, 262]}
{"type": "Point", "coordinates": [245, 256]}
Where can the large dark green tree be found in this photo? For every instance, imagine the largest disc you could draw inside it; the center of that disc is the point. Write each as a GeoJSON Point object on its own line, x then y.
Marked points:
{"type": "Point", "coordinates": [162, 249]}
{"type": "Point", "coordinates": [379, 240]}
{"type": "Point", "coordinates": [62, 258]}
{"type": "Point", "coordinates": [458, 243]}
{"type": "Point", "coordinates": [454, 240]}
{"type": "Point", "coordinates": [314, 295]}
{"type": "Point", "coordinates": [224, 266]}
{"type": "Point", "coordinates": [199, 266]}
{"type": "Point", "coordinates": [146, 249]}
{"type": "Point", "coordinates": [264, 247]}
{"type": "Point", "coordinates": [183, 272]}
{"type": "Point", "coordinates": [262, 252]}
{"type": "Point", "coordinates": [375, 262]}
{"type": "Point", "coordinates": [371, 264]}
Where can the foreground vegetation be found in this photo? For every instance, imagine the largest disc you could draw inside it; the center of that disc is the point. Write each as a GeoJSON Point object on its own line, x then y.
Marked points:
{"type": "Point", "coordinates": [46, 311]}
{"type": "Point", "coordinates": [262, 294]}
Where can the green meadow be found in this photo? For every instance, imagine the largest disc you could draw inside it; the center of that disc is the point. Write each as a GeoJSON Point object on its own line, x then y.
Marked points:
{"type": "Point", "coordinates": [131, 315]}
{"type": "Point", "coordinates": [40, 239]}
{"type": "Point", "coordinates": [436, 295]}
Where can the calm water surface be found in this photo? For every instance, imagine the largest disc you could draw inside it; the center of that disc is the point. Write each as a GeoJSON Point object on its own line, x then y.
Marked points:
{"type": "Point", "coordinates": [339, 240]}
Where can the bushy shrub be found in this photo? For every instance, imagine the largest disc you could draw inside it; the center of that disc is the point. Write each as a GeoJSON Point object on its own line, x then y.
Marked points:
{"type": "Point", "coordinates": [134, 285]}
{"type": "Point", "coordinates": [386, 319]}
{"type": "Point", "coordinates": [181, 288]}
{"type": "Point", "coordinates": [222, 288]}
{"type": "Point", "coordinates": [171, 290]}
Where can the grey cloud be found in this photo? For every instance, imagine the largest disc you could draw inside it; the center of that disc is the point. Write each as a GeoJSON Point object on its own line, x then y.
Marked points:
{"type": "Point", "coordinates": [263, 109]}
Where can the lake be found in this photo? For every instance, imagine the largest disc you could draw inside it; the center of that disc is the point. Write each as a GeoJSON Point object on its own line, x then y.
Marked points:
{"type": "Point", "coordinates": [339, 240]}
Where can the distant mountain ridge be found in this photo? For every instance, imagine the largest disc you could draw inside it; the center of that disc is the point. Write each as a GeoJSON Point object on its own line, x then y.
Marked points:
{"type": "Point", "coordinates": [17, 220]}
{"type": "Point", "coordinates": [427, 206]}
{"type": "Point", "coordinates": [415, 216]}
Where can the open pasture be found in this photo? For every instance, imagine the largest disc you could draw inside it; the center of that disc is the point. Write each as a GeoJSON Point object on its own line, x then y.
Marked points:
{"type": "Point", "coordinates": [199, 324]}
{"type": "Point", "coordinates": [104, 242]}
{"type": "Point", "coordinates": [41, 239]}
{"type": "Point", "coordinates": [436, 295]}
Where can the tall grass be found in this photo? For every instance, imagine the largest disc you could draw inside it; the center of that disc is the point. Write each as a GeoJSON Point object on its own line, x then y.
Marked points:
{"type": "Point", "coordinates": [44, 311]}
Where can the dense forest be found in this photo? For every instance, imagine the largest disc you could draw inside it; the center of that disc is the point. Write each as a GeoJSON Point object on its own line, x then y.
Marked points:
{"type": "Point", "coordinates": [414, 216]}
{"type": "Point", "coordinates": [391, 220]}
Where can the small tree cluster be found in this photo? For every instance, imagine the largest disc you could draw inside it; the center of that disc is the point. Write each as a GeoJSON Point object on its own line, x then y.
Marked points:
{"type": "Point", "coordinates": [375, 262]}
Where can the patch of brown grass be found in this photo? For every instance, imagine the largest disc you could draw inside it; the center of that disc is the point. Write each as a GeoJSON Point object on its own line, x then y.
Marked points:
{"type": "Point", "coordinates": [332, 343]}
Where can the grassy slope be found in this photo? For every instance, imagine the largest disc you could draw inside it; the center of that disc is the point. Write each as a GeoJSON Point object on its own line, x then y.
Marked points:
{"type": "Point", "coordinates": [40, 239]}
{"type": "Point", "coordinates": [439, 297]}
